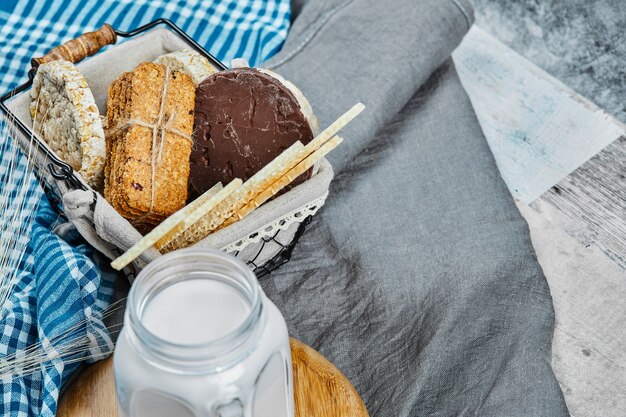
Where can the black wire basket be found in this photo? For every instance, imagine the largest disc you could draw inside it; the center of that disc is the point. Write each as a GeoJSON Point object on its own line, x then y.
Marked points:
{"type": "Point", "coordinates": [57, 176]}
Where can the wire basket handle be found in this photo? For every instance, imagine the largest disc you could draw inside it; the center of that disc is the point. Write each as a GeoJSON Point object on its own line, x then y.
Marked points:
{"type": "Point", "coordinates": [80, 48]}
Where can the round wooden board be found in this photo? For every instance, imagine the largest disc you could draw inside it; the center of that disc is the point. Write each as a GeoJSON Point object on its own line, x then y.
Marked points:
{"type": "Point", "coordinates": [320, 389]}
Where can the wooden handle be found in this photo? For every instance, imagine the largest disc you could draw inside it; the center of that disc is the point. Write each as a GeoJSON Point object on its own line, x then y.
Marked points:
{"type": "Point", "coordinates": [80, 48]}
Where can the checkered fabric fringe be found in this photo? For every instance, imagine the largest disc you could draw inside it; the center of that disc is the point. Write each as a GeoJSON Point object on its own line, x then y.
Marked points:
{"type": "Point", "coordinates": [60, 289]}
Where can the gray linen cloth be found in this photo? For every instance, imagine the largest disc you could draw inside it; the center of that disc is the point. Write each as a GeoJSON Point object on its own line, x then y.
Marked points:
{"type": "Point", "coordinates": [418, 278]}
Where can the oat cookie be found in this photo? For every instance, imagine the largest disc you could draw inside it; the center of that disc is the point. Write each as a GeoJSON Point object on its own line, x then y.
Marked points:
{"type": "Point", "coordinates": [149, 120]}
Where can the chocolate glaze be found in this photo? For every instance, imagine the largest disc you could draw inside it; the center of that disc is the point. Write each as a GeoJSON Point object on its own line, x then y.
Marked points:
{"type": "Point", "coordinates": [243, 120]}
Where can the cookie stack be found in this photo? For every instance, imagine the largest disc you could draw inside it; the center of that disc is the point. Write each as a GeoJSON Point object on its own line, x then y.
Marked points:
{"type": "Point", "coordinates": [149, 126]}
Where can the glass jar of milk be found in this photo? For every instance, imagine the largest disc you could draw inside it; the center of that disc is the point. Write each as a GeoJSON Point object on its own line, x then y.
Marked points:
{"type": "Point", "coordinates": [200, 338]}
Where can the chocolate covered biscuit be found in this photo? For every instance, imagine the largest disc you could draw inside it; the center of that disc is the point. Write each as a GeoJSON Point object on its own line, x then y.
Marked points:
{"type": "Point", "coordinates": [244, 118]}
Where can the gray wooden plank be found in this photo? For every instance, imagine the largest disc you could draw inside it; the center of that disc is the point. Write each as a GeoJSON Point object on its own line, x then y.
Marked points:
{"type": "Point", "coordinates": [589, 345]}
{"type": "Point", "coordinates": [590, 203]}
{"type": "Point", "coordinates": [563, 159]}
{"type": "Point", "coordinates": [538, 129]}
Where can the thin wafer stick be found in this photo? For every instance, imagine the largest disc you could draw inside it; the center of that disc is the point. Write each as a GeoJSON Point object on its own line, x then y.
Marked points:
{"type": "Point", "coordinates": [164, 227]}
{"type": "Point", "coordinates": [310, 147]}
{"type": "Point", "coordinates": [255, 189]}
{"type": "Point", "coordinates": [178, 221]}
{"type": "Point", "coordinates": [271, 170]}
{"type": "Point", "coordinates": [201, 211]}
{"type": "Point", "coordinates": [334, 128]}
{"type": "Point", "coordinates": [285, 180]}
{"type": "Point", "coordinates": [230, 205]}
{"type": "Point", "coordinates": [201, 200]}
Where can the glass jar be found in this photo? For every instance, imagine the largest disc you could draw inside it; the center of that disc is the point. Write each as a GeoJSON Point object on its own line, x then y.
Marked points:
{"type": "Point", "coordinates": [200, 338]}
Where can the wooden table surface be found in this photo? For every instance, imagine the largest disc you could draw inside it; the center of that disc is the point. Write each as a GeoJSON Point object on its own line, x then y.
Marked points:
{"type": "Point", "coordinates": [564, 160]}
{"type": "Point", "coordinates": [320, 389]}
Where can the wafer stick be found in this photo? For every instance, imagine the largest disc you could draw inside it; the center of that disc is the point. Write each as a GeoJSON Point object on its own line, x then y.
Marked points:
{"type": "Point", "coordinates": [200, 212]}
{"type": "Point", "coordinates": [334, 128]}
{"type": "Point", "coordinates": [285, 180]}
{"type": "Point", "coordinates": [262, 186]}
{"type": "Point", "coordinates": [311, 147]}
{"type": "Point", "coordinates": [271, 170]}
{"type": "Point", "coordinates": [179, 220]}
{"type": "Point", "coordinates": [163, 228]}
{"type": "Point", "coordinates": [230, 205]}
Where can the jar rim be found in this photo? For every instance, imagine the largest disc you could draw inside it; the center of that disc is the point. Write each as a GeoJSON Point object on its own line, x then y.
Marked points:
{"type": "Point", "coordinates": [218, 349]}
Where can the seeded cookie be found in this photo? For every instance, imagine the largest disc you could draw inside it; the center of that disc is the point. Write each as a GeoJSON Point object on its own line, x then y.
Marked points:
{"type": "Point", "coordinates": [190, 62]}
{"type": "Point", "coordinates": [151, 105]}
{"type": "Point", "coordinates": [65, 115]}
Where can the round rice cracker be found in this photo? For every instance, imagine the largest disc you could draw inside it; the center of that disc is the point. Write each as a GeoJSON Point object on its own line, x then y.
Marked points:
{"type": "Point", "coordinates": [189, 62]}
{"type": "Point", "coordinates": [305, 105]}
{"type": "Point", "coordinates": [65, 115]}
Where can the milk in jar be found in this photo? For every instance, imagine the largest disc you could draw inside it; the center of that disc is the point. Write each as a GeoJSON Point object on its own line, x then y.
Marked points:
{"type": "Point", "coordinates": [200, 338]}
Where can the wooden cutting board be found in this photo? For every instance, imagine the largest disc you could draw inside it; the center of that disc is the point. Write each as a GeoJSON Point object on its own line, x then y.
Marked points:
{"type": "Point", "coordinates": [320, 389]}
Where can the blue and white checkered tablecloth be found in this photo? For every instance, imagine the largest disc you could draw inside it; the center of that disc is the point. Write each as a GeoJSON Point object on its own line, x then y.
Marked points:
{"type": "Point", "coordinates": [59, 290]}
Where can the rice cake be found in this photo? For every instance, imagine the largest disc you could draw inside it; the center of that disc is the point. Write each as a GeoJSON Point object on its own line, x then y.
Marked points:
{"type": "Point", "coordinates": [190, 62]}
{"type": "Point", "coordinates": [65, 115]}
